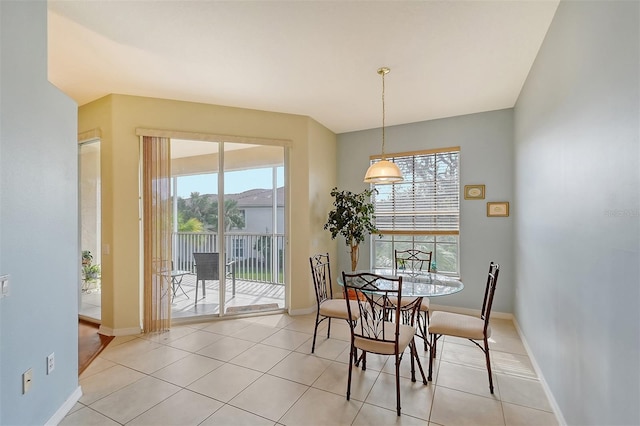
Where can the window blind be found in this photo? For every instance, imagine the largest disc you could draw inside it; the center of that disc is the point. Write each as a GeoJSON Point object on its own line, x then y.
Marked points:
{"type": "Point", "coordinates": [427, 201]}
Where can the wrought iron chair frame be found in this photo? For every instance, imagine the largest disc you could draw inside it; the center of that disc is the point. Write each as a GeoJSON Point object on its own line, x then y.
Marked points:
{"type": "Point", "coordinates": [374, 332]}
{"type": "Point", "coordinates": [418, 258]}
{"type": "Point", "coordinates": [485, 313]}
{"type": "Point", "coordinates": [321, 274]}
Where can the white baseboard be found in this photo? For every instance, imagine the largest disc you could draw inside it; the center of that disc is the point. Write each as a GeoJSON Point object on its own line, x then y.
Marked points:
{"type": "Point", "coordinates": [65, 408]}
{"type": "Point", "coordinates": [131, 331]}
{"type": "Point", "coordinates": [304, 311]}
{"type": "Point", "coordinates": [543, 382]}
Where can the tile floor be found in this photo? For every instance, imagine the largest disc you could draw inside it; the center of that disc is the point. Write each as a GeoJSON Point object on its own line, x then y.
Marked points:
{"type": "Point", "coordinates": [260, 371]}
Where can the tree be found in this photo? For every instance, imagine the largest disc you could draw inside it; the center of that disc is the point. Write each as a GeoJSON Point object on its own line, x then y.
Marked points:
{"type": "Point", "coordinates": [263, 246]}
{"type": "Point", "coordinates": [233, 216]}
{"type": "Point", "coordinates": [352, 218]}
{"type": "Point", "coordinates": [189, 225]}
{"type": "Point", "coordinates": [204, 209]}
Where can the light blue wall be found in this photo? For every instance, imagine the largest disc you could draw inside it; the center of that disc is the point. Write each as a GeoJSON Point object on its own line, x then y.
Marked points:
{"type": "Point", "coordinates": [38, 222]}
{"type": "Point", "coordinates": [577, 180]}
{"type": "Point", "coordinates": [486, 157]}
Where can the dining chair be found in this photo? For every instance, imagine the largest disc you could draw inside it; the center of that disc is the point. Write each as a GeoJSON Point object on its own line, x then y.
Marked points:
{"type": "Point", "coordinates": [417, 260]}
{"type": "Point", "coordinates": [207, 268]}
{"type": "Point", "coordinates": [327, 306]}
{"type": "Point", "coordinates": [374, 332]}
{"type": "Point", "coordinates": [467, 326]}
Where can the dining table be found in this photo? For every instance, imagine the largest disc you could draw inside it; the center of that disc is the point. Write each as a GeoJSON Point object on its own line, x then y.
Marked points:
{"type": "Point", "coordinates": [414, 282]}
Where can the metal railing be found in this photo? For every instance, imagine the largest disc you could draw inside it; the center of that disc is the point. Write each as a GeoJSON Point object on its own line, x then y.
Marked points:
{"type": "Point", "coordinates": [254, 259]}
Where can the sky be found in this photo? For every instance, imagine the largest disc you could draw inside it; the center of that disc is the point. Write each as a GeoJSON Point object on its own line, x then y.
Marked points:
{"type": "Point", "coordinates": [235, 182]}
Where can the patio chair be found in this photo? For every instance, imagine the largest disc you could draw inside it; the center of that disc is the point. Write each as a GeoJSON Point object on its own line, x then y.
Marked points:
{"type": "Point", "coordinates": [207, 268]}
{"type": "Point", "coordinates": [467, 326]}
{"type": "Point", "coordinates": [374, 332]}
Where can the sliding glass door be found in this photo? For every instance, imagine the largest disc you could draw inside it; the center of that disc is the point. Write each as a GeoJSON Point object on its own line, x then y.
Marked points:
{"type": "Point", "coordinates": [228, 203]}
{"type": "Point", "coordinates": [254, 227]}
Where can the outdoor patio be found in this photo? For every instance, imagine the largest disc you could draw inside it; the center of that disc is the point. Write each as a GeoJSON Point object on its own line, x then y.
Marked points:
{"type": "Point", "coordinates": [250, 297]}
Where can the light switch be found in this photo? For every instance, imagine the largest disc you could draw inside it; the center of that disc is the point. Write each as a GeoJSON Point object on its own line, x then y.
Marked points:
{"type": "Point", "coordinates": [4, 285]}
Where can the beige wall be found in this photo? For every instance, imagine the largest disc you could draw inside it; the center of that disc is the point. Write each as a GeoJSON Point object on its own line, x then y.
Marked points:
{"type": "Point", "coordinates": [323, 175]}
{"type": "Point", "coordinates": [118, 117]}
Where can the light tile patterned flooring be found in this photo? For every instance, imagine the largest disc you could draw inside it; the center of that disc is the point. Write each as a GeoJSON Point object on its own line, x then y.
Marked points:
{"type": "Point", "coordinates": [260, 371]}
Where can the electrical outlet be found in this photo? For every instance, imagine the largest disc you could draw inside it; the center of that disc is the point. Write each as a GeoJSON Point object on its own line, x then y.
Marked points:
{"type": "Point", "coordinates": [27, 380]}
{"type": "Point", "coordinates": [51, 363]}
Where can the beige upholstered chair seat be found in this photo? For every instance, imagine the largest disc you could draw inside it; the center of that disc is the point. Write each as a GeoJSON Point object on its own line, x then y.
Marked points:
{"type": "Point", "coordinates": [458, 325]}
{"type": "Point", "coordinates": [387, 348]}
{"type": "Point", "coordinates": [337, 308]}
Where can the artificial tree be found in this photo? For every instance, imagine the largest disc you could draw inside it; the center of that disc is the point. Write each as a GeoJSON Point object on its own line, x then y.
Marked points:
{"type": "Point", "coordinates": [352, 217]}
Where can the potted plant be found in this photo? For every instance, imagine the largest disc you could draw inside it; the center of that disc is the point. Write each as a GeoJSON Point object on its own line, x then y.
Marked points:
{"type": "Point", "coordinates": [352, 217]}
{"type": "Point", "coordinates": [87, 257]}
{"type": "Point", "coordinates": [90, 272]}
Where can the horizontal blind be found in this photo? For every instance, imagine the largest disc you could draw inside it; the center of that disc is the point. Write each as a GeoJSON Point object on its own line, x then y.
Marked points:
{"type": "Point", "coordinates": [427, 201]}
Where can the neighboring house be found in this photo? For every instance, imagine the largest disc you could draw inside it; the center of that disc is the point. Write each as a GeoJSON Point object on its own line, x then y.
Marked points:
{"type": "Point", "coordinates": [257, 205]}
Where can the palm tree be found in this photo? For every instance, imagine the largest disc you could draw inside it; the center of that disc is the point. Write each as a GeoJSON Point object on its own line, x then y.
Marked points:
{"type": "Point", "coordinates": [190, 225]}
{"type": "Point", "coordinates": [204, 209]}
{"type": "Point", "coordinates": [233, 216]}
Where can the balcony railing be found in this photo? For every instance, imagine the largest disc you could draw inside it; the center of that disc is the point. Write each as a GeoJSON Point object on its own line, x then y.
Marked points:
{"type": "Point", "coordinates": [254, 259]}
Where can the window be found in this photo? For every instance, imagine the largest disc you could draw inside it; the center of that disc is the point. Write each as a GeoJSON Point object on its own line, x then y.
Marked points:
{"type": "Point", "coordinates": [423, 211]}
{"type": "Point", "coordinates": [238, 248]}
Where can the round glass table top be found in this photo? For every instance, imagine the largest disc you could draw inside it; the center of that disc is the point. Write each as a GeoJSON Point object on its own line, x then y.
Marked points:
{"type": "Point", "coordinates": [415, 283]}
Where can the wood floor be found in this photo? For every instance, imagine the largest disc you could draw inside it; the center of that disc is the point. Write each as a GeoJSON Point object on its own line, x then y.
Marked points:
{"type": "Point", "coordinates": [90, 343]}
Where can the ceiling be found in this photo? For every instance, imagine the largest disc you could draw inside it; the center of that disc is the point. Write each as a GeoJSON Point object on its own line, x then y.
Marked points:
{"type": "Point", "coordinates": [313, 58]}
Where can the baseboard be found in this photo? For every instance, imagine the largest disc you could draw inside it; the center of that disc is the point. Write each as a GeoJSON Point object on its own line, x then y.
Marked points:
{"type": "Point", "coordinates": [467, 311]}
{"type": "Point", "coordinates": [131, 331]}
{"type": "Point", "coordinates": [65, 408]}
{"type": "Point", "coordinates": [304, 311]}
{"type": "Point", "coordinates": [554, 405]}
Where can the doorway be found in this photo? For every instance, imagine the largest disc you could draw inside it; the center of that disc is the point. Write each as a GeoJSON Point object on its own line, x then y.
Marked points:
{"type": "Point", "coordinates": [90, 230]}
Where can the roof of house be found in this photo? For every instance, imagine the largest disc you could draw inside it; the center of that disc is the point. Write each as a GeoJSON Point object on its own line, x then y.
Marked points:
{"type": "Point", "coordinates": [258, 197]}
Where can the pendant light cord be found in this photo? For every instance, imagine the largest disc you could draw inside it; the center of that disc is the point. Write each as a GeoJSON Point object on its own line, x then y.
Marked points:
{"type": "Point", "coordinates": [383, 71]}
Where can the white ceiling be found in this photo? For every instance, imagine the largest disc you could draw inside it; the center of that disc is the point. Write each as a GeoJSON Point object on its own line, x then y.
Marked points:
{"type": "Point", "coordinates": [314, 58]}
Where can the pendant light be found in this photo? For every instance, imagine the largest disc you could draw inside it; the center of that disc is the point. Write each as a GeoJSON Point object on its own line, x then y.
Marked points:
{"type": "Point", "coordinates": [383, 171]}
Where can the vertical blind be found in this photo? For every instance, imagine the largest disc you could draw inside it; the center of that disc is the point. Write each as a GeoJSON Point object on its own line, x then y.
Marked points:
{"type": "Point", "coordinates": [427, 201]}
{"type": "Point", "coordinates": [157, 227]}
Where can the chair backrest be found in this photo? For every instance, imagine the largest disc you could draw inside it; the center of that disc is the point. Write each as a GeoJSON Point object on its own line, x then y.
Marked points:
{"type": "Point", "coordinates": [413, 260]}
{"type": "Point", "coordinates": [321, 273]}
{"type": "Point", "coordinates": [207, 267]}
{"type": "Point", "coordinates": [379, 300]}
{"type": "Point", "coordinates": [489, 291]}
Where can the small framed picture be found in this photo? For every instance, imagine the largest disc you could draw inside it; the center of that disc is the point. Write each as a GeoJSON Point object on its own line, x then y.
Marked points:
{"type": "Point", "coordinates": [474, 192]}
{"type": "Point", "coordinates": [498, 209]}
